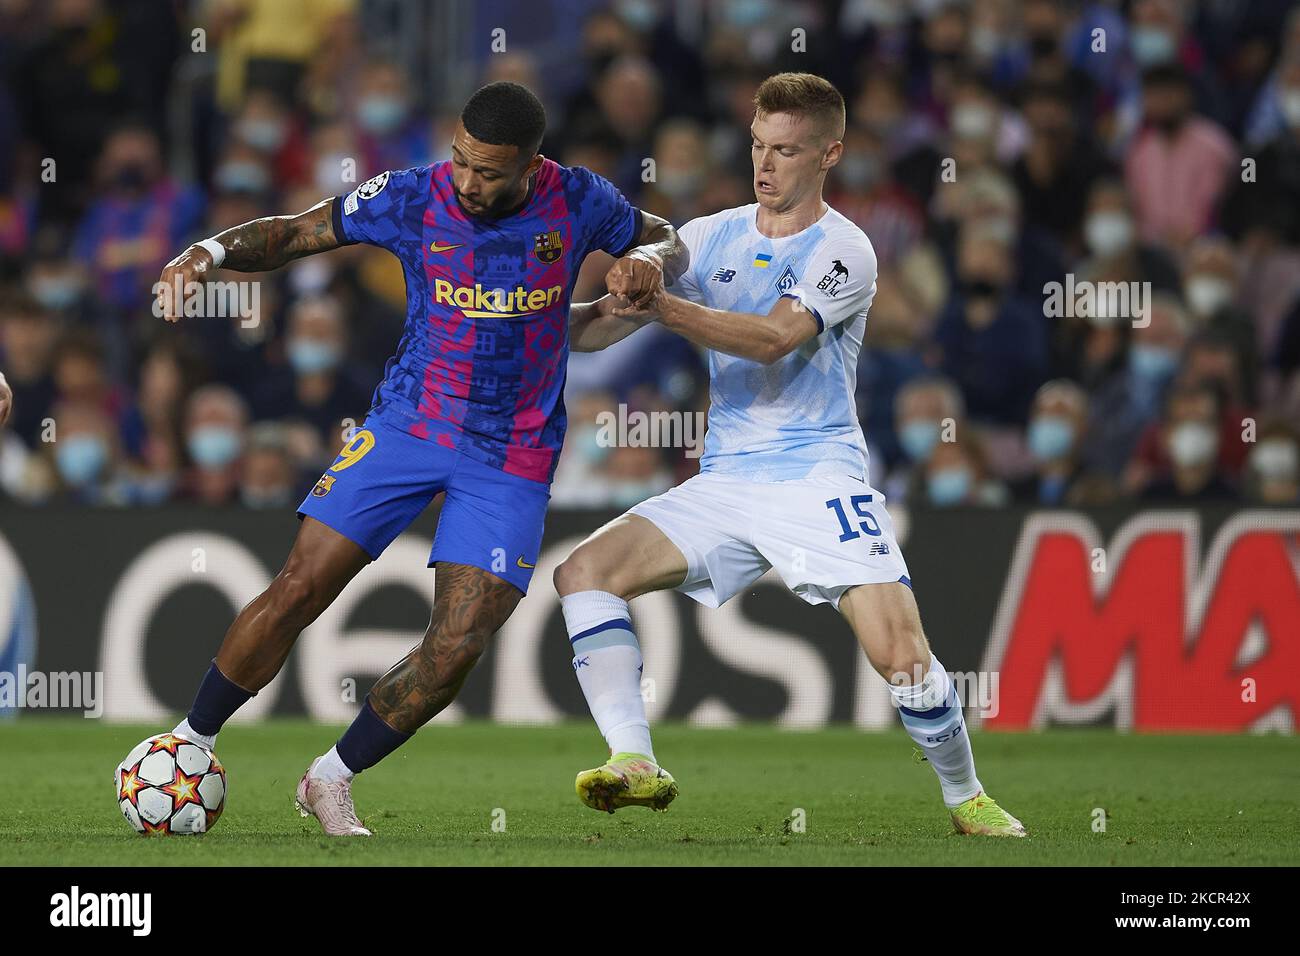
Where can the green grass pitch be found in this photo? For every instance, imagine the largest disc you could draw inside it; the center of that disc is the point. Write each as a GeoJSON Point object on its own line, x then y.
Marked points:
{"type": "Point", "coordinates": [1169, 800]}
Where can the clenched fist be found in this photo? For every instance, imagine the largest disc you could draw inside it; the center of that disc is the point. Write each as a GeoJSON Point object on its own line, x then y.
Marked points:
{"type": "Point", "coordinates": [636, 277]}
{"type": "Point", "coordinates": [169, 293]}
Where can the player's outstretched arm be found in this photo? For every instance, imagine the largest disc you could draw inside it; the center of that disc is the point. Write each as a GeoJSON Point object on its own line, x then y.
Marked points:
{"type": "Point", "coordinates": [759, 338]}
{"type": "Point", "coordinates": [594, 326]}
{"type": "Point", "coordinates": [256, 246]}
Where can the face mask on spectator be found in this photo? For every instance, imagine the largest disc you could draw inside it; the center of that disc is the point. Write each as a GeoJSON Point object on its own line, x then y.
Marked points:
{"type": "Point", "coordinates": [679, 184]}
{"type": "Point", "coordinates": [310, 356]}
{"type": "Point", "coordinates": [329, 173]}
{"type": "Point", "coordinates": [266, 135]}
{"type": "Point", "coordinates": [858, 172]}
{"type": "Point", "coordinates": [973, 122]}
{"type": "Point", "coordinates": [311, 276]}
{"type": "Point", "coordinates": [629, 493]}
{"type": "Point", "coordinates": [80, 458]}
{"type": "Point", "coordinates": [131, 177]}
{"type": "Point", "coordinates": [887, 129]}
{"type": "Point", "coordinates": [1050, 437]}
{"type": "Point", "coordinates": [745, 14]}
{"type": "Point", "coordinates": [949, 486]}
{"type": "Point", "coordinates": [54, 292]}
{"type": "Point", "coordinates": [1042, 45]}
{"type": "Point", "coordinates": [1206, 295]}
{"type": "Point", "coordinates": [985, 42]}
{"type": "Point", "coordinates": [1108, 233]}
{"type": "Point", "coordinates": [1276, 459]}
{"type": "Point", "coordinates": [213, 446]}
{"type": "Point", "coordinates": [1290, 102]}
{"type": "Point", "coordinates": [640, 15]}
{"type": "Point", "coordinates": [918, 438]}
{"type": "Point", "coordinates": [1170, 124]}
{"type": "Point", "coordinates": [381, 114]}
{"type": "Point", "coordinates": [1152, 46]}
{"type": "Point", "coordinates": [1152, 363]}
{"type": "Point", "coordinates": [979, 287]}
{"type": "Point", "coordinates": [153, 489]}
{"type": "Point", "coordinates": [589, 445]}
{"type": "Point", "coordinates": [264, 497]}
{"type": "Point", "coordinates": [597, 62]}
{"type": "Point", "coordinates": [881, 13]}
{"type": "Point", "coordinates": [238, 176]}
{"type": "Point", "coordinates": [1192, 444]}
{"type": "Point", "coordinates": [1000, 228]}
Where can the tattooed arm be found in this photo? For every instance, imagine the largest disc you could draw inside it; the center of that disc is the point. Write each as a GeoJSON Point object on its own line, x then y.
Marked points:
{"type": "Point", "coordinates": [257, 246]}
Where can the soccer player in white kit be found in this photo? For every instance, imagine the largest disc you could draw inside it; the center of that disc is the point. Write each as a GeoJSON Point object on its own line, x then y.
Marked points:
{"type": "Point", "coordinates": [778, 292]}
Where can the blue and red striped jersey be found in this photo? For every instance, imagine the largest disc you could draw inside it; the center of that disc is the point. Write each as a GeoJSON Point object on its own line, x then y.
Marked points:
{"type": "Point", "coordinates": [481, 364]}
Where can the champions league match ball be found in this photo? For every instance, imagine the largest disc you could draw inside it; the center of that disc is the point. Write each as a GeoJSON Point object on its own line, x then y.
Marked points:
{"type": "Point", "coordinates": [172, 786]}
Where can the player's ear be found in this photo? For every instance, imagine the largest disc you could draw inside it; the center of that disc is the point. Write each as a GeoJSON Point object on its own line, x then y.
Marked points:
{"type": "Point", "coordinates": [534, 164]}
{"type": "Point", "coordinates": [833, 153]}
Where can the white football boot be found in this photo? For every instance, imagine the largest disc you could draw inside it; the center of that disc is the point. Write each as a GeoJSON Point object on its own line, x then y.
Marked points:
{"type": "Point", "coordinates": [330, 802]}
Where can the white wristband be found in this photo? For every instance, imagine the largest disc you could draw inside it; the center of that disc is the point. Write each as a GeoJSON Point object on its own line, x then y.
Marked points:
{"type": "Point", "coordinates": [215, 249]}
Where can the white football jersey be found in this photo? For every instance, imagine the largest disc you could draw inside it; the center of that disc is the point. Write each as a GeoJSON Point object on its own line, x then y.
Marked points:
{"type": "Point", "coordinates": [795, 418]}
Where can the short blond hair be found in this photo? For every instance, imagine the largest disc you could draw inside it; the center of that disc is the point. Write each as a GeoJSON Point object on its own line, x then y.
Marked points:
{"type": "Point", "coordinates": [803, 94]}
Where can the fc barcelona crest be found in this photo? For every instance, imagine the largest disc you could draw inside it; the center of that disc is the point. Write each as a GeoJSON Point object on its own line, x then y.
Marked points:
{"type": "Point", "coordinates": [323, 486]}
{"type": "Point", "coordinates": [548, 246]}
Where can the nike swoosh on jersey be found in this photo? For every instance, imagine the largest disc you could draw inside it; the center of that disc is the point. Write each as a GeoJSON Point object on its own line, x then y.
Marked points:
{"type": "Point", "coordinates": [522, 563]}
{"type": "Point", "coordinates": [439, 247]}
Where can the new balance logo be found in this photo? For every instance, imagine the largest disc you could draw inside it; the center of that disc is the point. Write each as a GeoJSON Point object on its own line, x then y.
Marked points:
{"type": "Point", "coordinates": [878, 547]}
{"type": "Point", "coordinates": [724, 275]}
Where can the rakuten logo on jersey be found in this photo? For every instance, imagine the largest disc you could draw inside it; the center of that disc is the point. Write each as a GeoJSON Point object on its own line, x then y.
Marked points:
{"type": "Point", "coordinates": [1151, 635]}
{"type": "Point", "coordinates": [479, 303]}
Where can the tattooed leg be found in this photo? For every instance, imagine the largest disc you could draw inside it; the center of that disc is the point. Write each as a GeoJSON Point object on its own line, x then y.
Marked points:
{"type": "Point", "coordinates": [469, 606]}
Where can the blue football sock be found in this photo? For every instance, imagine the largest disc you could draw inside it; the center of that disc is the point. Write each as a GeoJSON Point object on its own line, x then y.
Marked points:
{"type": "Point", "coordinates": [368, 740]}
{"type": "Point", "coordinates": [217, 699]}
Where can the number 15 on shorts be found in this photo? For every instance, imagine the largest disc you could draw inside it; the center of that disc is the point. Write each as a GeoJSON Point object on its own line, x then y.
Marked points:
{"type": "Point", "coordinates": [858, 503]}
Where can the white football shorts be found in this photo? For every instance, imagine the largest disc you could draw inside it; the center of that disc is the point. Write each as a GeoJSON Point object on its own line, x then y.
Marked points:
{"type": "Point", "coordinates": [823, 535]}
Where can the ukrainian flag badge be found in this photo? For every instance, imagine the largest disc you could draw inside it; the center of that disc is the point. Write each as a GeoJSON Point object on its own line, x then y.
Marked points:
{"type": "Point", "coordinates": [761, 260]}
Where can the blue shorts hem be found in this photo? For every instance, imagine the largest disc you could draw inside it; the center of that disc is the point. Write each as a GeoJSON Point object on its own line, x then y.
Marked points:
{"type": "Point", "coordinates": [522, 586]}
{"type": "Point", "coordinates": [370, 551]}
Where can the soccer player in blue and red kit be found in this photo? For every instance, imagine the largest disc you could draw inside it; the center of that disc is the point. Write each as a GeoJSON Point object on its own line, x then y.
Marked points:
{"type": "Point", "coordinates": [471, 406]}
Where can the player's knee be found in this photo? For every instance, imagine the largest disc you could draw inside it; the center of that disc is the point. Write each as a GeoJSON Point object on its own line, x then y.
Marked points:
{"type": "Point", "coordinates": [904, 670]}
{"type": "Point", "coordinates": [907, 654]}
{"type": "Point", "coordinates": [578, 572]}
{"type": "Point", "coordinates": [295, 599]}
{"type": "Point", "coordinates": [908, 661]}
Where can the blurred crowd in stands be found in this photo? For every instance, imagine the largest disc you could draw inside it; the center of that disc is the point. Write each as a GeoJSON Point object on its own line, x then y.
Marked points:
{"type": "Point", "coordinates": [993, 148]}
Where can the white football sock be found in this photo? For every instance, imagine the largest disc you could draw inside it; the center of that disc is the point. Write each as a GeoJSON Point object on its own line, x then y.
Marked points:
{"type": "Point", "coordinates": [933, 718]}
{"type": "Point", "coordinates": [331, 767]}
{"type": "Point", "coordinates": [607, 660]}
{"type": "Point", "coordinates": [183, 729]}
